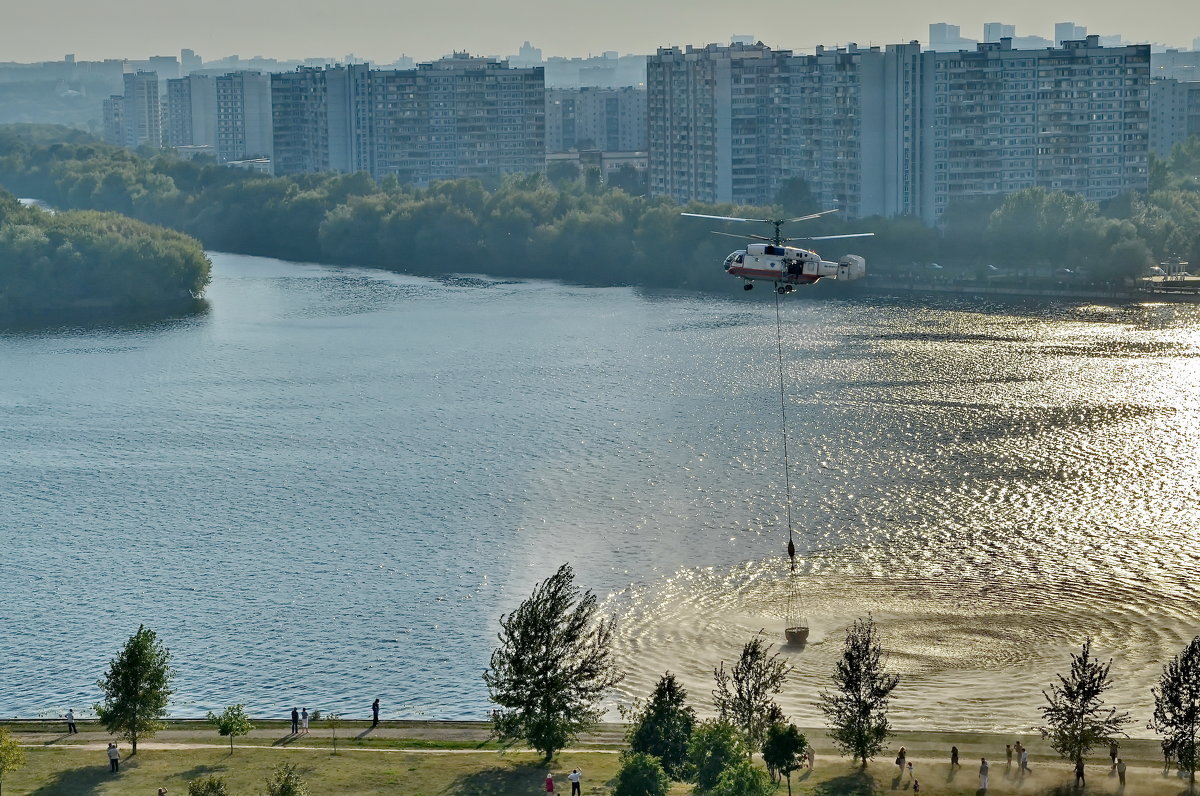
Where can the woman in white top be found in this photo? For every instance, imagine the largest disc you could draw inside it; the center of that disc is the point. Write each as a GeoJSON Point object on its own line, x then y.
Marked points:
{"type": "Point", "coordinates": [304, 720]}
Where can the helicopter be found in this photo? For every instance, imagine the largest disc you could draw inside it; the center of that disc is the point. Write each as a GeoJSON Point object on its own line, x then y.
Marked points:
{"type": "Point", "coordinates": [787, 266]}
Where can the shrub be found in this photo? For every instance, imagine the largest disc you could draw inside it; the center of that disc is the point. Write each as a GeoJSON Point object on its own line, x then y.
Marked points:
{"type": "Point", "coordinates": [642, 775]}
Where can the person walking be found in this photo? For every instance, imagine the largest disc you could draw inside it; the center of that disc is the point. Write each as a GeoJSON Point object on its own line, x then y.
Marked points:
{"type": "Point", "coordinates": [304, 720]}
{"type": "Point", "coordinates": [1024, 760]}
{"type": "Point", "coordinates": [900, 761]}
{"type": "Point", "coordinates": [70, 717]}
{"type": "Point", "coordinates": [1079, 783]}
{"type": "Point", "coordinates": [1121, 771]}
{"type": "Point", "coordinates": [295, 721]}
{"type": "Point", "coordinates": [114, 757]}
{"type": "Point", "coordinates": [1113, 746]}
{"type": "Point", "coordinates": [575, 776]}
{"type": "Point", "coordinates": [1008, 755]}
{"type": "Point", "coordinates": [812, 758]}
{"type": "Point", "coordinates": [916, 786]}
{"type": "Point", "coordinates": [983, 773]}
{"type": "Point", "coordinates": [953, 757]}
{"type": "Point", "coordinates": [375, 714]}
{"type": "Point", "coordinates": [910, 774]}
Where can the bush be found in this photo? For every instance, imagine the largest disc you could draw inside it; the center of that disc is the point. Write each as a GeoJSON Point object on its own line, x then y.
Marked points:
{"type": "Point", "coordinates": [642, 775]}
{"type": "Point", "coordinates": [715, 746]}
{"type": "Point", "coordinates": [284, 781]}
{"type": "Point", "coordinates": [207, 786]}
{"type": "Point", "coordinates": [743, 778]}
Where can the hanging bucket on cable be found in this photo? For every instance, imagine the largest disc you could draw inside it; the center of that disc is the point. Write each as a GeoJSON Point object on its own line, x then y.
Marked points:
{"type": "Point", "coordinates": [795, 621]}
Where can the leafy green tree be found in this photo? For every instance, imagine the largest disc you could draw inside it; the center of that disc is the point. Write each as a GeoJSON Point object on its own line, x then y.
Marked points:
{"type": "Point", "coordinates": [552, 667]}
{"type": "Point", "coordinates": [233, 722]}
{"type": "Point", "coordinates": [743, 778]}
{"type": "Point", "coordinates": [856, 710]}
{"type": "Point", "coordinates": [1177, 706]}
{"type": "Point", "coordinates": [641, 775]}
{"type": "Point", "coordinates": [783, 751]}
{"type": "Point", "coordinates": [137, 688]}
{"type": "Point", "coordinates": [12, 756]}
{"type": "Point", "coordinates": [715, 746]}
{"type": "Point", "coordinates": [208, 786]}
{"type": "Point", "coordinates": [743, 696]}
{"type": "Point", "coordinates": [284, 781]}
{"type": "Point", "coordinates": [663, 727]}
{"type": "Point", "coordinates": [1076, 719]}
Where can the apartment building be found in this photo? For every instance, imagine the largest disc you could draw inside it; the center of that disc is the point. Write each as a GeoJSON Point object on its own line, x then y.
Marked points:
{"type": "Point", "coordinates": [192, 112]}
{"type": "Point", "coordinates": [243, 122]}
{"type": "Point", "coordinates": [138, 122]}
{"type": "Point", "coordinates": [1174, 113]}
{"type": "Point", "coordinates": [610, 120]}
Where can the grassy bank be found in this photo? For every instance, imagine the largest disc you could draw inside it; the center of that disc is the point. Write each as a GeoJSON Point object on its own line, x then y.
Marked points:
{"type": "Point", "coordinates": [426, 758]}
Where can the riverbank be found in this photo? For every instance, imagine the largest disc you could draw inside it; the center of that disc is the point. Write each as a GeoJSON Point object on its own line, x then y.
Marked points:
{"type": "Point", "coordinates": [431, 757]}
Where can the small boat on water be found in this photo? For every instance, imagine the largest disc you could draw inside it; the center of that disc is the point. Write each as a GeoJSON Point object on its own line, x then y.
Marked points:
{"type": "Point", "coordinates": [797, 634]}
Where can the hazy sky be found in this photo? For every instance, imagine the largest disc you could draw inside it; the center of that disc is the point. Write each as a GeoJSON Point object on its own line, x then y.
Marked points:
{"type": "Point", "coordinates": [381, 30]}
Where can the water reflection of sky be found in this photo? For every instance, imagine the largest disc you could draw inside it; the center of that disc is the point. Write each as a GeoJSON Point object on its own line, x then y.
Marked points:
{"type": "Point", "coordinates": [328, 487]}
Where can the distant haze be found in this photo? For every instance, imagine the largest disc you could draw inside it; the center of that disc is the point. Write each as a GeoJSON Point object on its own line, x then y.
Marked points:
{"type": "Point", "coordinates": [382, 30]}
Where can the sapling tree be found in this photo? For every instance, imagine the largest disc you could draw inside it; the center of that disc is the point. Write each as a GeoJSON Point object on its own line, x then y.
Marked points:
{"type": "Point", "coordinates": [233, 722]}
{"type": "Point", "coordinates": [553, 666]}
{"type": "Point", "coordinates": [856, 710]}
{"type": "Point", "coordinates": [12, 755]}
{"type": "Point", "coordinates": [783, 751]}
{"type": "Point", "coordinates": [1177, 708]}
{"type": "Point", "coordinates": [743, 696]}
{"type": "Point", "coordinates": [1076, 718]}
{"type": "Point", "coordinates": [137, 688]}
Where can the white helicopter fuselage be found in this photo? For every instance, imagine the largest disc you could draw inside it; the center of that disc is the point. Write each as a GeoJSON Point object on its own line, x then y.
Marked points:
{"type": "Point", "coordinates": [790, 265]}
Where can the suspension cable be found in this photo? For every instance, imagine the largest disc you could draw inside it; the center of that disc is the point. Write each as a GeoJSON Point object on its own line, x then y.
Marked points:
{"type": "Point", "coordinates": [787, 478]}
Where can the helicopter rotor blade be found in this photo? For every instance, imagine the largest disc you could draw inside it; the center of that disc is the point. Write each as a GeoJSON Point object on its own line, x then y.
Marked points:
{"type": "Point", "coordinates": [728, 218]}
{"type": "Point", "coordinates": [810, 216]}
{"type": "Point", "coordinates": [735, 235]}
{"type": "Point", "coordinates": [834, 237]}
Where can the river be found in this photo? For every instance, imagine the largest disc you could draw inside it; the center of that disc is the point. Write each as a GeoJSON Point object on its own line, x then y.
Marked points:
{"type": "Point", "coordinates": [328, 487]}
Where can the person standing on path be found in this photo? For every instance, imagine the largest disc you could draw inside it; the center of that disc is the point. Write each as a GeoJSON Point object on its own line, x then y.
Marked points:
{"type": "Point", "coordinates": [295, 721]}
{"type": "Point", "coordinates": [1113, 746]}
{"type": "Point", "coordinates": [70, 717]}
{"type": "Point", "coordinates": [114, 757]}
{"type": "Point", "coordinates": [1079, 783]}
{"type": "Point", "coordinates": [575, 776]}
{"type": "Point", "coordinates": [983, 773]}
{"type": "Point", "coordinates": [1121, 771]}
{"type": "Point", "coordinates": [304, 720]}
{"type": "Point", "coordinates": [375, 714]}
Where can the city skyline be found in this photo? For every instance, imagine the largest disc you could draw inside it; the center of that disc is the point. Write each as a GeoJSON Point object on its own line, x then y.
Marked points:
{"type": "Point", "coordinates": [45, 32]}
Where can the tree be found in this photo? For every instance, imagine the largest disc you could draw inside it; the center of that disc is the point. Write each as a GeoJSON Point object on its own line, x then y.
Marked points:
{"type": "Point", "coordinates": [715, 746]}
{"type": "Point", "coordinates": [783, 751]}
{"type": "Point", "coordinates": [664, 726]}
{"type": "Point", "coordinates": [284, 781]}
{"type": "Point", "coordinates": [137, 688]}
{"type": "Point", "coordinates": [12, 756]}
{"type": "Point", "coordinates": [333, 721]}
{"type": "Point", "coordinates": [743, 694]}
{"type": "Point", "coordinates": [552, 667]}
{"type": "Point", "coordinates": [233, 722]}
{"type": "Point", "coordinates": [208, 786]}
{"type": "Point", "coordinates": [743, 778]}
{"type": "Point", "coordinates": [1177, 706]}
{"type": "Point", "coordinates": [641, 775]}
{"type": "Point", "coordinates": [1075, 717]}
{"type": "Point", "coordinates": [856, 712]}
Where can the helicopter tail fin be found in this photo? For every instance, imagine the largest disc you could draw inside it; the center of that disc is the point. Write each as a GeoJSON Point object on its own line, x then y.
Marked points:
{"type": "Point", "coordinates": [851, 266]}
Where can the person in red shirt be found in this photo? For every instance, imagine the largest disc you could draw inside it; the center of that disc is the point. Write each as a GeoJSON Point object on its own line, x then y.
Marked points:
{"type": "Point", "coordinates": [550, 783]}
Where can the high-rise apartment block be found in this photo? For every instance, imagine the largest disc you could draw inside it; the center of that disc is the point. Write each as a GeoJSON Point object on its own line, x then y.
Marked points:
{"type": "Point", "coordinates": [453, 118]}
{"type": "Point", "coordinates": [898, 131]}
{"type": "Point", "coordinates": [243, 116]}
{"type": "Point", "coordinates": [192, 112]}
{"type": "Point", "coordinates": [1174, 113]}
{"type": "Point", "coordinates": [611, 120]}
{"type": "Point", "coordinates": [134, 119]}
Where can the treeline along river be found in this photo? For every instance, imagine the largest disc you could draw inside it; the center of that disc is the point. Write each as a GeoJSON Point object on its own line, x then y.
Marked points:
{"type": "Point", "coordinates": [328, 487]}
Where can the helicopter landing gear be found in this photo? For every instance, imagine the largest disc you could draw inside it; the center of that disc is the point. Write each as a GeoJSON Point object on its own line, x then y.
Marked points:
{"type": "Point", "coordinates": [781, 289]}
{"type": "Point", "coordinates": [748, 286]}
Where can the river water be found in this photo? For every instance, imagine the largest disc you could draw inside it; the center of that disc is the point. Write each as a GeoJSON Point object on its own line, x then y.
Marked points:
{"type": "Point", "coordinates": [328, 487]}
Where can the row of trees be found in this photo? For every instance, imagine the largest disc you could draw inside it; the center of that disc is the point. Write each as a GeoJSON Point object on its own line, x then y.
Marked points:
{"type": "Point", "coordinates": [581, 229]}
{"type": "Point", "coordinates": [554, 664]}
{"type": "Point", "coordinates": [55, 263]}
